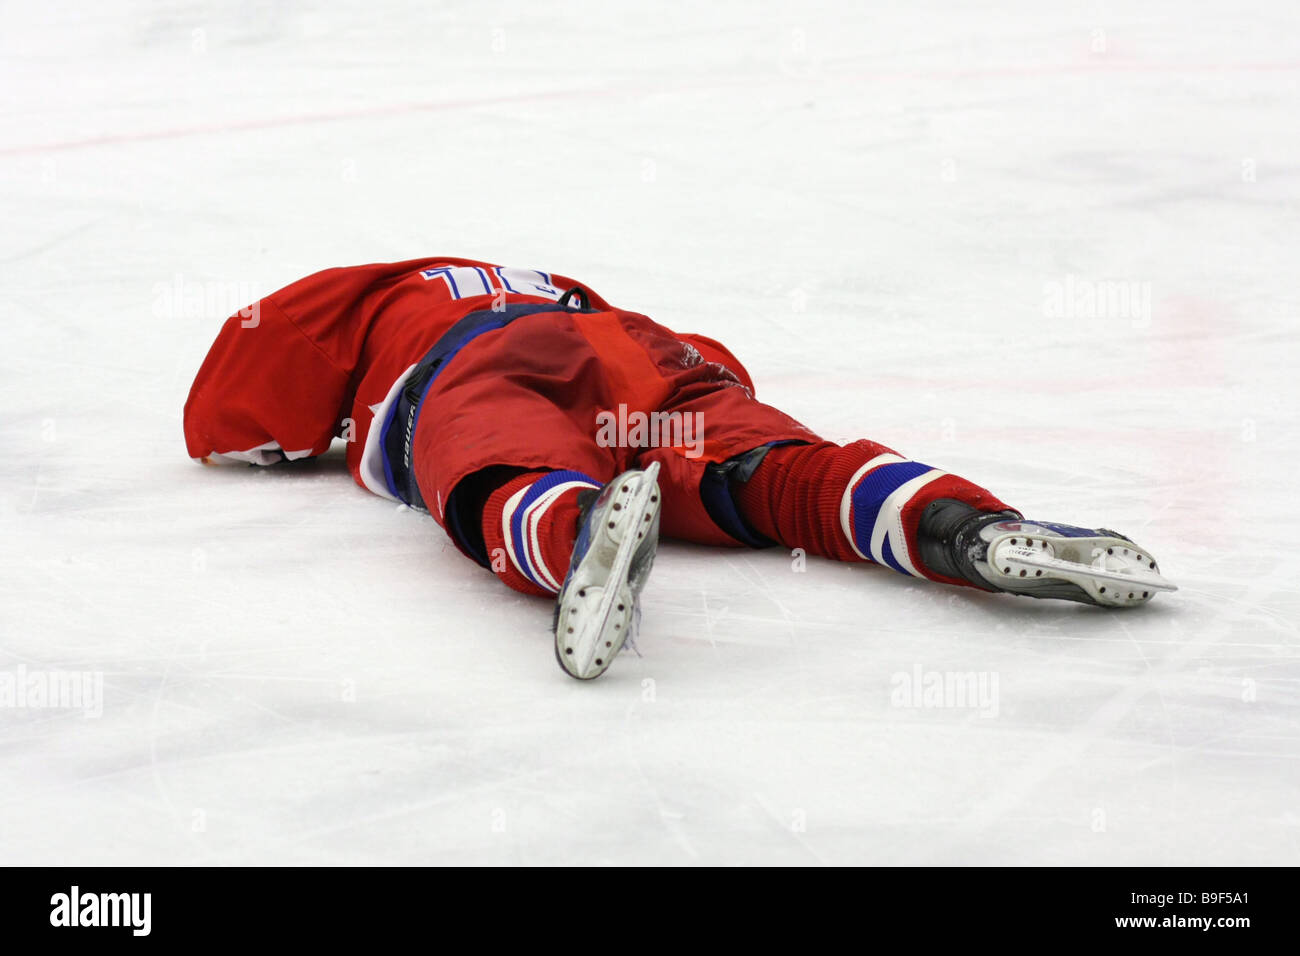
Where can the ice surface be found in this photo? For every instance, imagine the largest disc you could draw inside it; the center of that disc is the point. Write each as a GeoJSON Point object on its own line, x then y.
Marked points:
{"type": "Point", "coordinates": [888, 213]}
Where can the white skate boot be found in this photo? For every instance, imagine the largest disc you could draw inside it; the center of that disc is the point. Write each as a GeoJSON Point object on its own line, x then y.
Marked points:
{"type": "Point", "coordinates": [598, 608]}
{"type": "Point", "coordinates": [1043, 559]}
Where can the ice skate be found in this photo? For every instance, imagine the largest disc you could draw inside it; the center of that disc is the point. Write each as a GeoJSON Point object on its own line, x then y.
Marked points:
{"type": "Point", "coordinates": [597, 609]}
{"type": "Point", "coordinates": [1042, 559]}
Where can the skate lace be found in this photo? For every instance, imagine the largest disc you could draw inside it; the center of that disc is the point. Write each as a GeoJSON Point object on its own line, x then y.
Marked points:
{"type": "Point", "coordinates": [629, 642]}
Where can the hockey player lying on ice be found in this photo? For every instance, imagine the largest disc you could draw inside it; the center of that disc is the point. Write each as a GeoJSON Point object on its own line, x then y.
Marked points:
{"type": "Point", "coordinates": [512, 405]}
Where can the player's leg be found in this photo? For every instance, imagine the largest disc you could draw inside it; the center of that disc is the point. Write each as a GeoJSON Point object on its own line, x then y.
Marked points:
{"type": "Point", "coordinates": [511, 466]}
{"type": "Point", "coordinates": [500, 459]}
{"type": "Point", "coordinates": [864, 502]}
{"type": "Point", "coordinates": [562, 534]}
{"type": "Point", "coordinates": [529, 523]}
{"type": "Point", "coordinates": [761, 478]}
{"type": "Point", "coordinates": [856, 502]}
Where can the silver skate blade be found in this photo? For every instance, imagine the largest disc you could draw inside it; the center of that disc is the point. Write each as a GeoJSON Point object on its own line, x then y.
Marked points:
{"type": "Point", "coordinates": [1014, 560]}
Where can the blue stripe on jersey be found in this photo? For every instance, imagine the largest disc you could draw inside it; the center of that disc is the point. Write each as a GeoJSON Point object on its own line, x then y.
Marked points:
{"type": "Point", "coordinates": [407, 409]}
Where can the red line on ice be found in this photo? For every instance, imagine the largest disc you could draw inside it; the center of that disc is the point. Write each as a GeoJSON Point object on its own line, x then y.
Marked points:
{"type": "Point", "coordinates": [1112, 66]}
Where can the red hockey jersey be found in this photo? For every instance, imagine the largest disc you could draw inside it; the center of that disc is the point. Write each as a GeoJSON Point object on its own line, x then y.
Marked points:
{"type": "Point", "coordinates": [327, 356]}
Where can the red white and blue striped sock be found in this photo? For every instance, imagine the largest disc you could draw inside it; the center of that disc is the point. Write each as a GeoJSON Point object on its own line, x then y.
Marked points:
{"type": "Point", "coordinates": [529, 526]}
{"type": "Point", "coordinates": [859, 502]}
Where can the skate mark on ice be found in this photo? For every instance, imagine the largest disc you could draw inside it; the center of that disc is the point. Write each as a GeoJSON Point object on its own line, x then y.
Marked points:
{"type": "Point", "coordinates": [784, 826]}
{"type": "Point", "coordinates": [1063, 751]}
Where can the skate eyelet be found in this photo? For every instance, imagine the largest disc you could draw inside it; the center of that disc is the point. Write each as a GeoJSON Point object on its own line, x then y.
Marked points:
{"type": "Point", "coordinates": [599, 662]}
{"type": "Point", "coordinates": [609, 643]}
{"type": "Point", "coordinates": [617, 506]}
{"type": "Point", "coordinates": [1006, 570]}
{"type": "Point", "coordinates": [1102, 591]}
{"type": "Point", "coordinates": [568, 650]}
{"type": "Point", "coordinates": [620, 607]}
{"type": "Point", "coordinates": [1110, 550]}
{"type": "Point", "coordinates": [1013, 540]}
{"type": "Point", "coordinates": [1145, 593]}
{"type": "Point", "coordinates": [1038, 574]}
{"type": "Point", "coordinates": [570, 630]}
{"type": "Point", "coordinates": [1023, 572]}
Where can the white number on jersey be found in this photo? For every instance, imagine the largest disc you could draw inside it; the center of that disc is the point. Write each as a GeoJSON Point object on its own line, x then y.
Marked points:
{"type": "Point", "coordinates": [465, 281]}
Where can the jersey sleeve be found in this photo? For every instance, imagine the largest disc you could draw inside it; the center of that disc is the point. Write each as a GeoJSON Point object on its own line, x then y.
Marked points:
{"type": "Point", "coordinates": [264, 393]}
{"type": "Point", "coordinates": [277, 382]}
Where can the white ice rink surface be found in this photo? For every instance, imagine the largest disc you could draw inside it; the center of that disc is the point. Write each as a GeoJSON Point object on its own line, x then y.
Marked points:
{"type": "Point", "coordinates": [876, 209]}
